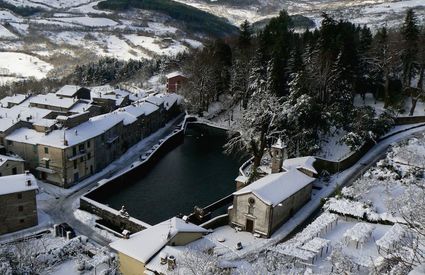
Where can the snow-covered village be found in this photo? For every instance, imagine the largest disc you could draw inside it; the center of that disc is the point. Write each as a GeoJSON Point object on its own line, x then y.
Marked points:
{"type": "Point", "coordinates": [192, 137]}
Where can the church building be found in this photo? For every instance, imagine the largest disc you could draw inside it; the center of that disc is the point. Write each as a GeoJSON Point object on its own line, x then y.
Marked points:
{"type": "Point", "coordinates": [264, 205]}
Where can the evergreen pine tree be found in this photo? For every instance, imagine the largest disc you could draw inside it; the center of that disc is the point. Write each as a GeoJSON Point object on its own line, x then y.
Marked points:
{"type": "Point", "coordinates": [245, 35]}
{"type": "Point", "coordinates": [410, 32]}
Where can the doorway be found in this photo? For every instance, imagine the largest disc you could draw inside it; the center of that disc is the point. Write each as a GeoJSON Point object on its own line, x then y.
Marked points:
{"type": "Point", "coordinates": [249, 225]}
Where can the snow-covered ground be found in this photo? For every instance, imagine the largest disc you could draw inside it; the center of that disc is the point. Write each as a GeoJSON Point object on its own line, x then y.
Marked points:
{"type": "Point", "coordinates": [368, 221]}
{"type": "Point", "coordinates": [403, 111]}
{"type": "Point", "coordinates": [45, 254]}
{"type": "Point", "coordinates": [77, 31]}
{"type": "Point", "coordinates": [23, 65]}
{"type": "Point", "coordinates": [331, 146]}
{"type": "Point", "coordinates": [372, 12]}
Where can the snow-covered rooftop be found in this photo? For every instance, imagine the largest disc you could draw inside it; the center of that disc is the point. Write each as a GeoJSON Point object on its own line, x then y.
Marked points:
{"type": "Point", "coordinates": [170, 99]}
{"type": "Point", "coordinates": [158, 101]}
{"type": "Point", "coordinates": [85, 131]}
{"type": "Point", "coordinates": [302, 162]}
{"type": "Point", "coordinates": [9, 117]}
{"type": "Point", "coordinates": [17, 183]}
{"type": "Point", "coordinates": [15, 99]}
{"type": "Point", "coordinates": [145, 244]}
{"type": "Point", "coordinates": [51, 99]}
{"type": "Point", "coordinates": [275, 188]}
{"type": "Point", "coordinates": [45, 122]}
{"type": "Point", "coordinates": [178, 252]}
{"type": "Point", "coordinates": [174, 74]}
{"type": "Point", "coordinates": [279, 144]}
{"type": "Point", "coordinates": [4, 159]}
{"type": "Point", "coordinates": [80, 107]}
{"type": "Point", "coordinates": [68, 90]}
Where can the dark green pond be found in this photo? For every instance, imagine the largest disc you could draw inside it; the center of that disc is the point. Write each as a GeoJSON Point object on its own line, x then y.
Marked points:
{"type": "Point", "coordinates": [195, 173]}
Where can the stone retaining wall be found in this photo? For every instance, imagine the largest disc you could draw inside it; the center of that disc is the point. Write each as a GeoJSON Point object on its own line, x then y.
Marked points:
{"type": "Point", "coordinates": [89, 202]}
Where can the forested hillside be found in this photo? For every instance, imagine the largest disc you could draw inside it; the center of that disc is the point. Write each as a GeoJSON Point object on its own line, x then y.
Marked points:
{"type": "Point", "coordinates": [195, 20]}
{"type": "Point", "coordinates": [299, 86]}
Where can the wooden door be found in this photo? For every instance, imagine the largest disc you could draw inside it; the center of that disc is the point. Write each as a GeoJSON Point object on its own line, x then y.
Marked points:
{"type": "Point", "coordinates": [249, 225]}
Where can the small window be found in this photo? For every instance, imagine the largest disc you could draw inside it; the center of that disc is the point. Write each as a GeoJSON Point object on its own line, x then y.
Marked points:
{"type": "Point", "coordinates": [250, 209]}
{"type": "Point", "coordinates": [47, 164]}
{"type": "Point", "coordinates": [81, 147]}
{"type": "Point", "coordinates": [21, 220]}
{"type": "Point", "coordinates": [75, 164]}
{"type": "Point", "coordinates": [46, 150]}
{"type": "Point", "coordinates": [14, 171]}
{"type": "Point", "coordinates": [88, 144]}
{"type": "Point", "coordinates": [20, 208]}
{"type": "Point", "coordinates": [9, 142]}
{"type": "Point", "coordinates": [88, 156]}
{"type": "Point", "coordinates": [82, 159]}
{"type": "Point", "coordinates": [19, 196]}
{"type": "Point", "coordinates": [74, 151]}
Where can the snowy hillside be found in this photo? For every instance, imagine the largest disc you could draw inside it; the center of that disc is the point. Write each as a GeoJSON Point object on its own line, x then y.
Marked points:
{"type": "Point", "coordinates": [66, 33]}
{"type": "Point", "coordinates": [373, 12]}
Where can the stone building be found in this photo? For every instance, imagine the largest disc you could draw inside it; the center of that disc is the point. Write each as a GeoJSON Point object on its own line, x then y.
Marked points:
{"type": "Point", "coordinates": [10, 165]}
{"type": "Point", "coordinates": [264, 205]}
{"type": "Point", "coordinates": [66, 156]}
{"type": "Point", "coordinates": [53, 102]}
{"type": "Point", "coordinates": [18, 202]}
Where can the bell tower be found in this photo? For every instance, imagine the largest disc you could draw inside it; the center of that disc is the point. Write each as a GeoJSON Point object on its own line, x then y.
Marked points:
{"type": "Point", "coordinates": [279, 154]}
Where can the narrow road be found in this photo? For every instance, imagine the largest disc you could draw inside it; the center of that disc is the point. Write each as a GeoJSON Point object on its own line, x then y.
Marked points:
{"type": "Point", "coordinates": [62, 209]}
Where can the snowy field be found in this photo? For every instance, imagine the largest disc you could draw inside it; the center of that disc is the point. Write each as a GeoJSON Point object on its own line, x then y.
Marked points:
{"type": "Point", "coordinates": [77, 31]}
{"type": "Point", "coordinates": [23, 65]}
{"type": "Point", "coordinates": [374, 12]}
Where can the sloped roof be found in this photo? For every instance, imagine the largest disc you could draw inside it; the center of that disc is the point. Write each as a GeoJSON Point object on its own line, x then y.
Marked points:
{"type": "Point", "coordinates": [275, 188]}
{"type": "Point", "coordinates": [51, 99]}
{"type": "Point", "coordinates": [4, 159]}
{"type": "Point", "coordinates": [145, 244]}
{"type": "Point", "coordinates": [174, 74]}
{"type": "Point", "coordinates": [68, 90]}
{"type": "Point", "coordinates": [17, 183]}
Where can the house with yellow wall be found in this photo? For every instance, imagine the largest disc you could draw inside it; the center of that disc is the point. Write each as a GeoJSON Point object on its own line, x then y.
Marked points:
{"type": "Point", "coordinates": [151, 251]}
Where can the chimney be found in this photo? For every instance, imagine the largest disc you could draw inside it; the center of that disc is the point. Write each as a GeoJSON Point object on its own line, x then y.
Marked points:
{"type": "Point", "coordinates": [76, 132]}
{"type": "Point", "coordinates": [163, 258]}
{"type": "Point", "coordinates": [171, 260]}
{"type": "Point", "coordinates": [28, 182]}
{"type": "Point", "coordinates": [27, 172]}
{"type": "Point", "coordinates": [278, 152]}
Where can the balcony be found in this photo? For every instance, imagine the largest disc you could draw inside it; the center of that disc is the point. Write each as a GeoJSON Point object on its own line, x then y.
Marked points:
{"type": "Point", "coordinates": [79, 154]}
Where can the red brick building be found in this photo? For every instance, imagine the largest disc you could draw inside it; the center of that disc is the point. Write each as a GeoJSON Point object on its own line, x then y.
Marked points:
{"type": "Point", "coordinates": [175, 81]}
